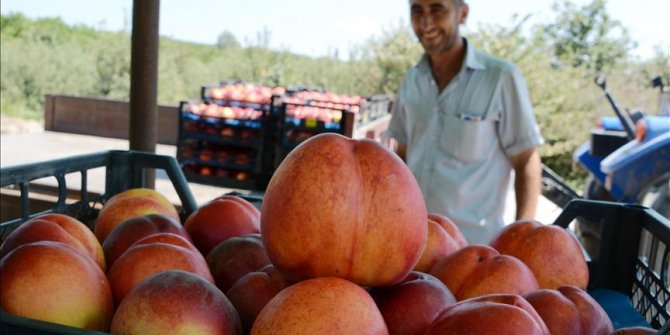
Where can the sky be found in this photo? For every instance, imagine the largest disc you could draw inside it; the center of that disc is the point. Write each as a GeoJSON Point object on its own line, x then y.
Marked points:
{"type": "Point", "coordinates": [318, 28]}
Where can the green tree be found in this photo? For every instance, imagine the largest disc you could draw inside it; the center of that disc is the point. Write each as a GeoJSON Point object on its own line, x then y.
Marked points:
{"type": "Point", "coordinates": [226, 40]}
{"type": "Point", "coordinates": [587, 36]}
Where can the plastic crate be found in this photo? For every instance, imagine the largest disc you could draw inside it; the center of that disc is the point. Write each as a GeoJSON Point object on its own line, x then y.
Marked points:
{"type": "Point", "coordinates": [629, 268]}
{"type": "Point", "coordinates": [123, 170]}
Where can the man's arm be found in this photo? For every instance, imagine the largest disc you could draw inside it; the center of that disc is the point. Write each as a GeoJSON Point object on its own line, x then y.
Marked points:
{"type": "Point", "coordinates": [527, 183]}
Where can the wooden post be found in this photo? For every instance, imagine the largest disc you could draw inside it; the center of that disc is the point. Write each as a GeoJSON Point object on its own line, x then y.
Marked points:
{"type": "Point", "coordinates": [144, 80]}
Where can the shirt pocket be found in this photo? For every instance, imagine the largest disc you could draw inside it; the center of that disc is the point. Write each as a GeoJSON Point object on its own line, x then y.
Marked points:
{"type": "Point", "coordinates": [468, 139]}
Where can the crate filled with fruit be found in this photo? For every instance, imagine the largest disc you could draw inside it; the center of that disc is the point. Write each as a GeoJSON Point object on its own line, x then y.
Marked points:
{"type": "Point", "coordinates": [222, 136]}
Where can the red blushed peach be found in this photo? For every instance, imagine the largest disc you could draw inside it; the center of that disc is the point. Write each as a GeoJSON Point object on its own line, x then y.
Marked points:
{"type": "Point", "coordinates": [410, 307]}
{"type": "Point", "coordinates": [569, 310]}
{"type": "Point", "coordinates": [176, 302]}
{"type": "Point", "coordinates": [451, 228]}
{"type": "Point", "coordinates": [221, 219]}
{"type": "Point", "coordinates": [480, 270]}
{"type": "Point", "coordinates": [58, 228]}
{"type": "Point", "coordinates": [141, 261]}
{"type": "Point", "coordinates": [253, 291]}
{"type": "Point", "coordinates": [438, 245]}
{"type": "Point", "coordinates": [235, 257]}
{"type": "Point", "coordinates": [344, 208]}
{"type": "Point", "coordinates": [326, 305]}
{"type": "Point", "coordinates": [499, 314]}
{"type": "Point", "coordinates": [51, 281]}
{"type": "Point", "coordinates": [133, 229]}
{"type": "Point", "coordinates": [117, 210]}
{"type": "Point", "coordinates": [551, 252]}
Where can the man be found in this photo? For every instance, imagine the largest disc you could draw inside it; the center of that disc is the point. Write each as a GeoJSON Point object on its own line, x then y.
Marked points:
{"type": "Point", "coordinates": [462, 122]}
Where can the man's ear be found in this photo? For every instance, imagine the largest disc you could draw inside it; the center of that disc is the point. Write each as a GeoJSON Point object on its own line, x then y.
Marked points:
{"type": "Point", "coordinates": [463, 13]}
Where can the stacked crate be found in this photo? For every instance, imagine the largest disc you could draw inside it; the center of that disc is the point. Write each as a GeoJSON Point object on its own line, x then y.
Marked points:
{"type": "Point", "coordinates": [238, 133]}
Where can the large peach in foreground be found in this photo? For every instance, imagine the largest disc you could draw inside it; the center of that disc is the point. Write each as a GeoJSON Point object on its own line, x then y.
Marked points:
{"type": "Point", "coordinates": [176, 302]}
{"type": "Point", "coordinates": [344, 208]}
{"type": "Point", "coordinates": [58, 228]}
{"type": "Point", "coordinates": [51, 281]}
{"type": "Point", "coordinates": [494, 314]}
{"type": "Point", "coordinates": [479, 270]}
{"type": "Point", "coordinates": [320, 306]}
{"type": "Point", "coordinates": [554, 255]}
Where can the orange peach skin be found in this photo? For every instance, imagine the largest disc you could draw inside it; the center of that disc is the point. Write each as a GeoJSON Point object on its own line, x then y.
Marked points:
{"type": "Point", "coordinates": [58, 228]}
{"type": "Point", "coordinates": [51, 281]}
{"type": "Point", "coordinates": [320, 306]}
{"type": "Point", "coordinates": [344, 208]}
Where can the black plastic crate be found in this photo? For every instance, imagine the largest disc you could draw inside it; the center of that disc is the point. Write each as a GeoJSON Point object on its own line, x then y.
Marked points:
{"type": "Point", "coordinates": [216, 143]}
{"type": "Point", "coordinates": [123, 170]}
{"type": "Point", "coordinates": [629, 266]}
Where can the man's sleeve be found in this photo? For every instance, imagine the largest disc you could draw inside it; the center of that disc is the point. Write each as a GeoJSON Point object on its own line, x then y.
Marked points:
{"type": "Point", "coordinates": [518, 129]}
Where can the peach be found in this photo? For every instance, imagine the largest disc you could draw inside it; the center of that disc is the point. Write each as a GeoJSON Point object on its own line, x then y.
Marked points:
{"type": "Point", "coordinates": [129, 231]}
{"type": "Point", "coordinates": [438, 245]}
{"type": "Point", "coordinates": [569, 310]}
{"type": "Point", "coordinates": [129, 204]}
{"type": "Point", "coordinates": [51, 281]}
{"type": "Point", "coordinates": [325, 305]}
{"type": "Point", "coordinates": [499, 314]}
{"type": "Point", "coordinates": [175, 302]}
{"type": "Point", "coordinates": [456, 235]}
{"type": "Point", "coordinates": [58, 228]}
{"type": "Point", "coordinates": [344, 208]}
{"type": "Point", "coordinates": [551, 252]}
{"type": "Point", "coordinates": [480, 270]}
{"type": "Point", "coordinates": [253, 291]}
{"type": "Point", "coordinates": [411, 306]}
{"type": "Point", "coordinates": [235, 257]}
{"type": "Point", "coordinates": [220, 219]}
{"type": "Point", "coordinates": [141, 261]}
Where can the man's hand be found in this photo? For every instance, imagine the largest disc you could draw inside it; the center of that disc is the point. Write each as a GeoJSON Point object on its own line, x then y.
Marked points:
{"type": "Point", "coordinates": [527, 183]}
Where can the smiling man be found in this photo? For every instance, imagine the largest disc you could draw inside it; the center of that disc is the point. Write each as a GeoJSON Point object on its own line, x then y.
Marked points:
{"type": "Point", "coordinates": [463, 121]}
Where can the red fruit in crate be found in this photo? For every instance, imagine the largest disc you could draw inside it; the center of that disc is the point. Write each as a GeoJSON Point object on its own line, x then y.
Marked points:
{"type": "Point", "coordinates": [478, 270]}
{"type": "Point", "coordinates": [242, 159]}
{"type": "Point", "coordinates": [227, 112]}
{"type": "Point", "coordinates": [220, 219]}
{"type": "Point", "coordinates": [569, 310]}
{"type": "Point", "coordinates": [130, 231]}
{"type": "Point", "coordinates": [205, 171]}
{"type": "Point", "coordinates": [242, 175]}
{"type": "Point", "coordinates": [205, 155]}
{"type": "Point", "coordinates": [227, 132]}
{"type": "Point", "coordinates": [212, 110]}
{"type": "Point", "coordinates": [253, 291]}
{"type": "Point", "coordinates": [535, 244]}
{"type": "Point", "coordinates": [339, 207]}
{"type": "Point", "coordinates": [235, 257]}
{"type": "Point", "coordinates": [215, 93]}
{"type": "Point", "coordinates": [57, 228]}
{"type": "Point", "coordinates": [53, 282]}
{"type": "Point", "coordinates": [176, 302]}
{"type": "Point", "coordinates": [500, 314]}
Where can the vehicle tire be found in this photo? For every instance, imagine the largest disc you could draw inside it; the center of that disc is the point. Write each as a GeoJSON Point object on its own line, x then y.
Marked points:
{"type": "Point", "coordinates": [657, 196]}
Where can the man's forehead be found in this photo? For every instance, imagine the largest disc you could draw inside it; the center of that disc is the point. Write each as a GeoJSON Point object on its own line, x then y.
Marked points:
{"type": "Point", "coordinates": [430, 2]}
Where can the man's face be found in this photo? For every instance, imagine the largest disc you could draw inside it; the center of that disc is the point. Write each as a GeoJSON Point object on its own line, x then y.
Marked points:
{"type": "Point", "coordinates": [435, 23]}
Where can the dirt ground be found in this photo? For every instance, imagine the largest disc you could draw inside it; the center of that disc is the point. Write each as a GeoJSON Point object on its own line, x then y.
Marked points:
{"type": "Point", "coordinates": [13, 125]}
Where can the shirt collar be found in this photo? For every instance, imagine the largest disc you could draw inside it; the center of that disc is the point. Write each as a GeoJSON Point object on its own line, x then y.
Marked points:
{"type": "Point", "coordinates": [472, 59]}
